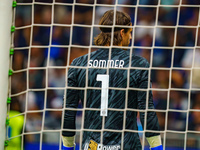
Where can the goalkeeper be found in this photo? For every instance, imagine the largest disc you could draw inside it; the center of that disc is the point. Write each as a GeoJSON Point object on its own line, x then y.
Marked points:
{"type": "Point", "coordinates": [116, 122]}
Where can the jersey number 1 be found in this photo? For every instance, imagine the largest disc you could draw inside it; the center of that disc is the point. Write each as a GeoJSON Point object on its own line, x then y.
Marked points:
{"type": "Point", "coordinates": [104, 93]}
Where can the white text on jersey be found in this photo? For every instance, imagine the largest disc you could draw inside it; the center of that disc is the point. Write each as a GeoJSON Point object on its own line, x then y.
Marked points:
{"type": "Point", "coordinates": [106, 63]}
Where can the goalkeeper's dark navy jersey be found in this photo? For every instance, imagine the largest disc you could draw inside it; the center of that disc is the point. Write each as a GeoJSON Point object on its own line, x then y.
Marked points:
{"type": "Point", "coordinates": [127, 91]}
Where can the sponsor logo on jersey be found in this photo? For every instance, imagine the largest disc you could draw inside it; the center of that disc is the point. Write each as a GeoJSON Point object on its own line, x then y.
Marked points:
{"type": "Point", "coordinates": [106, 63]}
{"type": "Point", "coordinates": [92, 145]}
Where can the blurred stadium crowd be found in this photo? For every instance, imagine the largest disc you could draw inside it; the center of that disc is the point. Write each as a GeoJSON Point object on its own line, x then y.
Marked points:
{"type": "Point", "coordinates": [169, 46]}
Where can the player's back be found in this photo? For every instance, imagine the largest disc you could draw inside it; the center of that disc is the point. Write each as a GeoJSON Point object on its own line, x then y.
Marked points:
{"type": "Point", "coordinates": [119, 98]}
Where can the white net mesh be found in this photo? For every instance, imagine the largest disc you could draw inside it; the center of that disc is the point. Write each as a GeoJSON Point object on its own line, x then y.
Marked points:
{"type": "Point", "coordinates": [51, 33]}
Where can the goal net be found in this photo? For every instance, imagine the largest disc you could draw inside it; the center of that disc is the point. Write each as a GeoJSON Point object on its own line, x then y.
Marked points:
{"type": "Point", "coordinates": [49, 34]}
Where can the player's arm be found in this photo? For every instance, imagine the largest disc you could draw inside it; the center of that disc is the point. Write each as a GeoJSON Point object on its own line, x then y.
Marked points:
{"type": "Point", "coordinates": [72, 100]}
{"type": "Point", "coordinates": [153, 139]}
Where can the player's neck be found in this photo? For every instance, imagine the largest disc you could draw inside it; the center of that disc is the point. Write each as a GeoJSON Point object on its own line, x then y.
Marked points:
{"type": "Point", "coordinates": [114, 45]}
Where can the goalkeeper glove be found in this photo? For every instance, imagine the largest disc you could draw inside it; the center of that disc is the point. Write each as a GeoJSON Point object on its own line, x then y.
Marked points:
{"type": "Point", "coordinates": [155, 142]}
{"type": "Point", "coordinates": [68, 148]}
{"type": "Point", "coordinates": [68, 143]}
{"type": "Point", "coordinates": [157, 148]}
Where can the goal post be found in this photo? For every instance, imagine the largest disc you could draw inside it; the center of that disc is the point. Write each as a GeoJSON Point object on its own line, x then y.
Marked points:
{"type": "Point", "coordinates": [5, 40]}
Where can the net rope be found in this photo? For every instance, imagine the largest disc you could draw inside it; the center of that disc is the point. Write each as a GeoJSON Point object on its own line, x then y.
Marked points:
{"type": "Point", "coordinates": [92, 26]}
